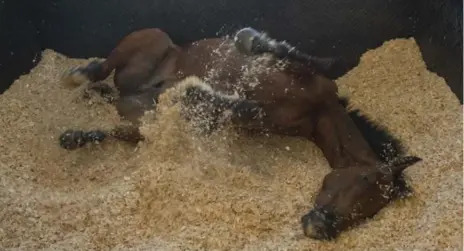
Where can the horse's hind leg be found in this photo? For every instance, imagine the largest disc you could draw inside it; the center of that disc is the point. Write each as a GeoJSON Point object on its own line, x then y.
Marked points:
{"type": "Point", "coordinates": [252, 42]}
{"type": "Point", "coordinates": [98, 70]}
{"type": "Point", "coordinates": [73, 139]}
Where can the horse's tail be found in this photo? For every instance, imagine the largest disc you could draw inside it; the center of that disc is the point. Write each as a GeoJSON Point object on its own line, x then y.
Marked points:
{"type": "Point", "coordinates": [252, 42]}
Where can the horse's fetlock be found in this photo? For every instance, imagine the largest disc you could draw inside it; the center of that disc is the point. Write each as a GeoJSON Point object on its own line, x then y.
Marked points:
{"type": "Point", "coordinates": [94, 136]}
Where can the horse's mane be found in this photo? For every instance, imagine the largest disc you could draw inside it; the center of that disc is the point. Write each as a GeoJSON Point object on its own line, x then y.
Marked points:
{"type": "Point", "coordinates": [383, 143]}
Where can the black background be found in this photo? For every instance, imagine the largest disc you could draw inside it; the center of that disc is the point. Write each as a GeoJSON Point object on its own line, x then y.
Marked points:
{"type": "Point", "coordinates": [344, 28]}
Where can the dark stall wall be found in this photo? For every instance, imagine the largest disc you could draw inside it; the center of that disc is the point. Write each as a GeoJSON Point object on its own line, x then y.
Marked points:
{"type": "Point", "coordinates": [83, 28]}
{"type": "Point", "coordinates": [440, 39]}
{"type": "Point", "coordinates": [88, 28]}
{"type": "Point", "coordinates": [19, 43]}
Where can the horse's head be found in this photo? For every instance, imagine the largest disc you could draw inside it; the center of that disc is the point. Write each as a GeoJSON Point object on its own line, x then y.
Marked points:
{"type": "Point", "coordinates": [350, 195]}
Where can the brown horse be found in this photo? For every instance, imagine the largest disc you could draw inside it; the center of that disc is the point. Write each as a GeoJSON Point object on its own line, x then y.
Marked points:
{"type": "Point", "coordinates": [277, 89]}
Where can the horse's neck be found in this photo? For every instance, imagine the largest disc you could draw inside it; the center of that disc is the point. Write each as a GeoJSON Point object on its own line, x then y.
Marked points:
{"type": "Point", "coordinates": [340, 140]}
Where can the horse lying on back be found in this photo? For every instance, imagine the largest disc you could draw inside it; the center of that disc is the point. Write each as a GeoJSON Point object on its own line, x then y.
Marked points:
{"type": "Point", "coordinates": [266, 86]}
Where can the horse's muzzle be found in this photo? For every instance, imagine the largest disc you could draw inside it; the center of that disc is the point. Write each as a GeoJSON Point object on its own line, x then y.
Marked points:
{"type": "Point", "coordinates": [319, 225]}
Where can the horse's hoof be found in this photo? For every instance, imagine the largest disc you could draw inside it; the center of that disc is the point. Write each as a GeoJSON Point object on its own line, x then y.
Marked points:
{"type": "Point", "coordinates": [71, 139]}
{"type": "Point", "coordinates": [74, 77]}
{"type": "Point", "coordinates": [244, 39]}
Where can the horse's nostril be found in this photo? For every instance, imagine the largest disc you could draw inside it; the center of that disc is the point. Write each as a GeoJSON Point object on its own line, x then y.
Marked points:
{"type": "Point", "coordinates": [311, 231]}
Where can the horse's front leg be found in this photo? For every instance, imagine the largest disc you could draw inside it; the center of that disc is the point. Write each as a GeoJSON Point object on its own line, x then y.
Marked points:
{"type": "Point", "coordinates": [209, 109]}
{"type": "Point", "coordinates": [74, 139]}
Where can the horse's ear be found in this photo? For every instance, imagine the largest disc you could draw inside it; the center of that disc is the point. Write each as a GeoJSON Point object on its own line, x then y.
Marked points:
{"type": "Point", "coordinates": [401, 189]}
{"type": "Point", "coordinates": [396, 166]}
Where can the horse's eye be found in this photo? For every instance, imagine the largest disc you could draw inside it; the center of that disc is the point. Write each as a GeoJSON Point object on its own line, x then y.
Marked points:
{"type": "Point", "coordinates": [365, 178]}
